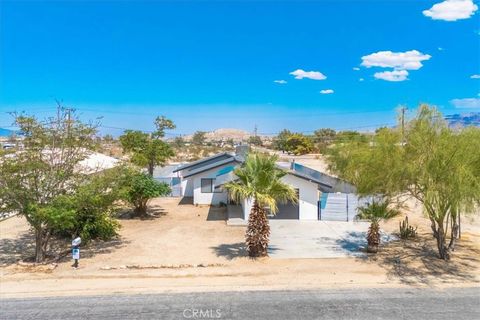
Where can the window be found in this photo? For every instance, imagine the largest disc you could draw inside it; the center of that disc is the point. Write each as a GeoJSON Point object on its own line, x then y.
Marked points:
{"type": "Point", "coordinates": [207, 185]}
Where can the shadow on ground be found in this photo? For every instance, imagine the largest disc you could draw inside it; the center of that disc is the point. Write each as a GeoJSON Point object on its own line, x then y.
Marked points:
{"type": "Point", "coordinates": [22, 248]}
{"type": "Point", "coordinates": [186, 201]}
{"type": "Point", "coordinates": [353, 241]}
{"type": "Point", "coordinates": [217, 213]}
{"type": "Point", "coordinates": [231, 251]}
{"type": "Point", "coordinates": [14, 250]}
{"type": "Point", "coordinates": [416, 261]}
{"type": "Point", "coordinates": [153, 212]}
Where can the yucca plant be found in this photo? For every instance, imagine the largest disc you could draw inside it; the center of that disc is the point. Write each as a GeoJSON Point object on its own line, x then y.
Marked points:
{"type": "Point", "coordinates": [375, 212]}
{"type": "Point", "coordinates": [259, 179]}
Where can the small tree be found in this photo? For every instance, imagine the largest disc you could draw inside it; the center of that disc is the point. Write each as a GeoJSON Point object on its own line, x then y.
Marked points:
{"type": "Point", "coordinates": [199, 138]}
{"type": "Point", "coordinates": [148, 150]}
{"type": "Point", "coordinates": [178, 142]}
{"type": "Point", "coordinates": [375, 212]}
{"type": "Point", "coordinates": [255, 140]}
{"type": "Point", "coordinates": [280, 141]}
{"type": "Point", "coordinates": [323, 138]}
{"type": "Point", "coordinates": [299, 144]}
{"type": "Point", "coordinates": [45, 169]}
{"type": "Point", "coordinates": [140, 188]}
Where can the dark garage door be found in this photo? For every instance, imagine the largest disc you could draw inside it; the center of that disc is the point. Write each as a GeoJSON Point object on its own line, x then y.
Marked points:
{"type": "Point", "coordinates": [286, 211]}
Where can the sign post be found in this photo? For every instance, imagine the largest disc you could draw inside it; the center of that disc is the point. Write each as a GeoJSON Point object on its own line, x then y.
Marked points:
{"type": "Point", "coordinates": [76, 251]}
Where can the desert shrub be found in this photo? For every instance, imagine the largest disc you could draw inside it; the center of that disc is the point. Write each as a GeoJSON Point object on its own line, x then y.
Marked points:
{"type": "Point", "coordinates": [407, 231]}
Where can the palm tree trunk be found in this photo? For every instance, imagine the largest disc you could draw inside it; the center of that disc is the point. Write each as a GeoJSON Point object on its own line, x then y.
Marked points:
{"type": "Point", "coordinates": [373, 237]}
{"type": "Point", "coordinates": [258, 232]}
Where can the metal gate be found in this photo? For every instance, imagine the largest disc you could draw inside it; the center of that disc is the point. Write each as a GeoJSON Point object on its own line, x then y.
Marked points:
{"type": "Point", "coordinates": [339, 206]}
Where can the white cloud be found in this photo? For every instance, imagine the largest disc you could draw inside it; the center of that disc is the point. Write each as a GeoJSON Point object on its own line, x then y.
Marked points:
{"type": "Point", "coordinates": [440, 49]}
{"type": "Point", "coordinates": [395, 75]}
{"type": "Point", "coordinates": [280, 81]}
{"type": "Point", "coordinates": [475, 76]}
{"type": "Point", "coordinates": [409, 60]}
{"type": "Point", "coordinates": [327, 91]}
{"type": "Point", "coordinates": [451, 10]}
{"type": "Point", "coordinates": [314, 75]}
{"type": "Point", "coordinates": [466, 103]}
{"type": "Point", "coordinates": [356, 68]}
{"type": "Point", "coordinates": [361, 79]}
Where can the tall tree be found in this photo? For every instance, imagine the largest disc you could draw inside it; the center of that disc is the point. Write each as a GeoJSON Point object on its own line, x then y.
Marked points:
{"type": "Point", "coordinates": [148, 150]}
{"type": "Point", "coordinates": [259, 180]}
{"type": "Point", "coordinates": [46, 168]}
{"type": "Point", "coordinates": [162, 124]}
{"type": "Point", "coordinates": [435, 165]}
{"type": "Point", "coordinates": [280, 141]}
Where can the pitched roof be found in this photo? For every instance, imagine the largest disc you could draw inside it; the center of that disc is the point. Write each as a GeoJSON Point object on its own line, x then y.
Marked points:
{"type": "Point", "coordinates": [329, 183]}
{"type": "Point", "coordinates": [213, 165]}
{"type": "Point", "coordinates": [203, 162]}
{"type": "Point", "coordinates": [325, 182]}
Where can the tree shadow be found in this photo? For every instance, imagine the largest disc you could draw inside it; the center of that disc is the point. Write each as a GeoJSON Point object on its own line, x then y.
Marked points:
{"type": "Point", "coordinates": [22, 249]}
{"type": "Point", "coordinates": [18, 249]}
{"type": "Point", "coordinates": [231, 251]}
{"type": "Point", "coordinates": [354, 241]}
{"type": "Point", "coordinates": [416, 261]}
{"type": "Point", "coordinates": [153, 212]}
{"type": "Point", "coordinates": [94, 248]}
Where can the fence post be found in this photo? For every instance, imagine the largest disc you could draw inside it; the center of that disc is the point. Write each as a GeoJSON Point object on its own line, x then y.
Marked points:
{"type": "Point", "coordinates": [347, 206]}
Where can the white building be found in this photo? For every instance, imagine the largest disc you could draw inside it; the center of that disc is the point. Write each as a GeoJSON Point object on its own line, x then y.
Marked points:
{"type": "Point", "coordinates": [203, 181]}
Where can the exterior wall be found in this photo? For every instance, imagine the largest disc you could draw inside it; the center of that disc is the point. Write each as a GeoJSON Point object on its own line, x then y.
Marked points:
{"type": "Point", "coordinates": [308, 201]}
{"type": "Point", "coordinates": [208, 198]}
{"type": "Point", "coordinates": [187, 187]}
{"type": "Point", "coordinates": [309, 196]}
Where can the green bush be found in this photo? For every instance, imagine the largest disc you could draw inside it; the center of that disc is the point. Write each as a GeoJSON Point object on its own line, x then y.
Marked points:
{"type": "Point", "coordinates": [140, 188]}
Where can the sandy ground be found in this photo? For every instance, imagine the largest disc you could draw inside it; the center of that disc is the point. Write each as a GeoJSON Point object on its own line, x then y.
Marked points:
{"type": "Point", "coordinates": [188, 248]}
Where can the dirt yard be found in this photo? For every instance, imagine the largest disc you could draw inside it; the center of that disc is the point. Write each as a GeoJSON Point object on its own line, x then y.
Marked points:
{"type": "Point", "coordinates": [188, 248]}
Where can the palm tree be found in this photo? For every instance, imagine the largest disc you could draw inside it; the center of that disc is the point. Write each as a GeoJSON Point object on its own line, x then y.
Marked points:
{"type": "Point", "coordinates": [259, 179]}
{"type": "Point", "coordinates": [376, 212]}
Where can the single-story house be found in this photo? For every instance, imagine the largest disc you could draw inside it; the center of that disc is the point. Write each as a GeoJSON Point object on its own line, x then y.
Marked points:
{"type": "Point", "coordinates": [203, 180]}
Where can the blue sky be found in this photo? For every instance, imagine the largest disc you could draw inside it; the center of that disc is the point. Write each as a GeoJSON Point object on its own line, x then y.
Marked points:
{"type": "Point", "coordinates": [213, 65]}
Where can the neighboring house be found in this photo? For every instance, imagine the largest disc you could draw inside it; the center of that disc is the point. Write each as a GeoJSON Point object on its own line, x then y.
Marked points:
{"type": "Point", "coordinates": [203, 180]}
{"type": "Point", "coordinates": [95, 162]}
{"type": "Point", "coordinates": [166, 175]}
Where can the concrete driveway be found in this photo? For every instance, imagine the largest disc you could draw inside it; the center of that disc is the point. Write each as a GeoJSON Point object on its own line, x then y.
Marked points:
{"type": "Point", "coordinates": [316, 239]}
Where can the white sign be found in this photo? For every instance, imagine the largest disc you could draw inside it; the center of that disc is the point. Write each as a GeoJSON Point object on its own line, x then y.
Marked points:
{"type": "Point", "coordinates": [76, 242]}
{"type": "Point", "coordinates": [76, 254]}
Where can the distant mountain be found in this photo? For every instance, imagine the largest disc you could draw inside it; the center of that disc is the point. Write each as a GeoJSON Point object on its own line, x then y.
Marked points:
{"type": "Point", "coordinates": [5, 132]}
{"type": "Point", "coordinates": [224, 134]}
{"type": "Point", "coordinates": [463, 120]}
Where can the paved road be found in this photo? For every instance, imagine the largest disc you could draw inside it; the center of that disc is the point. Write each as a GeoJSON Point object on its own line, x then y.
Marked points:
{"type": "Point", "coordinates": [458, 304]}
